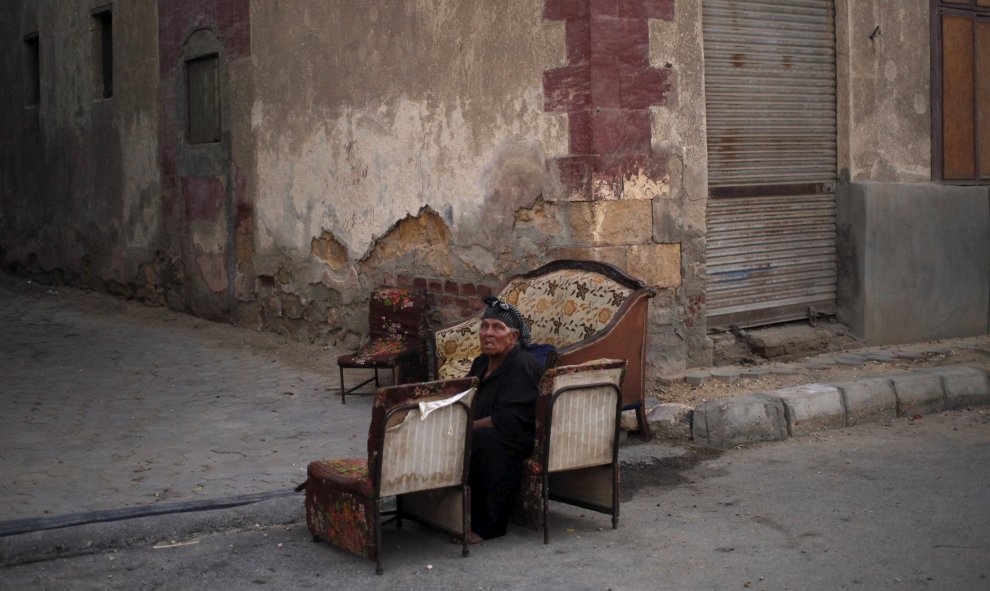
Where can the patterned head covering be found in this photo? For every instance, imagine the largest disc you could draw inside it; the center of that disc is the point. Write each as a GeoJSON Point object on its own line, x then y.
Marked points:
{"type": "Point", "coordinates": [507, 314]}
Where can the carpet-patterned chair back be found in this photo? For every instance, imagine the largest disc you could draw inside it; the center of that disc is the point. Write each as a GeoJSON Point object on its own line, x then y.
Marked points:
{"type": "Point", "coordinates": [396, 314]}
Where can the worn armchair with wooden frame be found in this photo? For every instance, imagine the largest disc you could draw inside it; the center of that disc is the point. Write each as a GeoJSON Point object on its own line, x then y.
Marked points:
{"type": "Point", "coordinates": [396, 327]}
{"type": "Point", "coordinates": [419, 453]}
{"type": "Point", "coordinates": [575, 457]}
{"type": "Point", "coordinates": [586, 309]}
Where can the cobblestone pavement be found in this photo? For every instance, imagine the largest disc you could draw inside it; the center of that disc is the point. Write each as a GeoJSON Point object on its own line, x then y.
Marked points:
{"type": "Point", "coordinates": [109, 404]}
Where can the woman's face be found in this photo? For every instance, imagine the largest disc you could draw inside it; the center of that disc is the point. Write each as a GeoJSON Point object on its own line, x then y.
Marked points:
{"type": "Point", "coordinates": [496, 337]}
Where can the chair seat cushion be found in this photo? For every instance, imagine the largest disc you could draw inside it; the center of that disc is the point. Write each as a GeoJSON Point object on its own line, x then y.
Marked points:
{"type": "Point", "coordinates": [380, 353]}
{"type": "Point", "coordinates": [349, 475]}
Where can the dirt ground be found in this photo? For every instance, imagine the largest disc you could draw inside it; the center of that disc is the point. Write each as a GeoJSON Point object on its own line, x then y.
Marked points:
{"type": "Point", "coordinates": [315, 357]}
{"type": "Point", "coordinates": [973, 351]}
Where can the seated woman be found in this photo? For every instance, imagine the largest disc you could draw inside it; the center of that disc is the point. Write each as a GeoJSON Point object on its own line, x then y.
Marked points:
{"type": "Point", "coordinates": [504, 415]}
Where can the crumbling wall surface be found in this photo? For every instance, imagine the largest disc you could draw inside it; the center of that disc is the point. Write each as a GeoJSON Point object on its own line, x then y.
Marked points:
{"type": "Point", "coordinates": [404, 138]}
{"type": "Point", "coordinates": [883, 50]}
{"type": "Point", "coordinates": [477, 140]}
{"type": "Point", "coordinates": [79, 177]}
{"type": "Point", "coordinates": [678, 331]}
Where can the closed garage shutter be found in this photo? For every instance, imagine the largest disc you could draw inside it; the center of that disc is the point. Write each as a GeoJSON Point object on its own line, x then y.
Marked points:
{"type": "Point", "coordinates": [770, 99]}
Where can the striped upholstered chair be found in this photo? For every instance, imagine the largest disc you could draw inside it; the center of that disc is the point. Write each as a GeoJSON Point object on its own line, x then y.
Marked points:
{"type": "Point", "coordinates": [419, 447]}
{"type": "Point", "coordinates": [575, 458]}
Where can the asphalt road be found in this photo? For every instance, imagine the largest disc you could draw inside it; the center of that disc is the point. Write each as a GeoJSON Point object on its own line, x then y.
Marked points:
{"type": "Point", "coordinates": [896, 506]}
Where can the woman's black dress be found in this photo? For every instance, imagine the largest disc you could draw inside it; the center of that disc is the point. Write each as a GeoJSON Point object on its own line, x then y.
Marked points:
{"type": "Point", "coordinates": [508, 396]}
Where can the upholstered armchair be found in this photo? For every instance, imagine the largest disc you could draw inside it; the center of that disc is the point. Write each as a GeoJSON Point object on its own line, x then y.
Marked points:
{"type": "Point", "coordinates": [575, 457]}
{"type": "Point", "coordinates": [419, 443]}
{"type": "Point", "coordinates": [586, 309]}
{"type": "Point", "coordinates": [396, 326]}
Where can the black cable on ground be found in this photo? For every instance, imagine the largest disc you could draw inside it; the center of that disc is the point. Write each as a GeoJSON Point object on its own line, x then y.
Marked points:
{"type": "Point", "coordinates": [33, 524]}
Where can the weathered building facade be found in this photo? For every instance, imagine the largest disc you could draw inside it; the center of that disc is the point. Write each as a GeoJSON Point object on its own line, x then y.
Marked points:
{"type": "Point", "coordinates": [270, 162]}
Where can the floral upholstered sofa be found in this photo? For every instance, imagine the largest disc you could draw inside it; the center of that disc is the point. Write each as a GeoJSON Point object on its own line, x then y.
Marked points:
{"type": "Point", "coordinates": [586, 309]}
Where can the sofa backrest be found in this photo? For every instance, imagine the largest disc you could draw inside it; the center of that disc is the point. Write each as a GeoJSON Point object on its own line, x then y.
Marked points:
{"type": "Point", "coordinates": [566, 306]}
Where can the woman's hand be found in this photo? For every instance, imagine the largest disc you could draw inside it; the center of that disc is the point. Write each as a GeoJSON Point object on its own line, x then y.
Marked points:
{"type": "Point", "coordinates": [482, 423]}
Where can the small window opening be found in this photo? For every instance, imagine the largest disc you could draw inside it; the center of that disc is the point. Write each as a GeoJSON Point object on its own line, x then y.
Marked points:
{"type": "Point", "coordinates": [32, 69]}
{"type": "Point", "coordinates": [103, 49]}
{"type": "Point", "coordinates": [203, 87]}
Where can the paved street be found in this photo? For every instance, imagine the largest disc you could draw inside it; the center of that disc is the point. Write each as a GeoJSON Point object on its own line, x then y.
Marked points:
{"type": "Point", "coordinates": [108, 404]}
{"type": "Point", "coordinates": [900, 507]}
{"type": "Point", "coordinates": [134, 421]}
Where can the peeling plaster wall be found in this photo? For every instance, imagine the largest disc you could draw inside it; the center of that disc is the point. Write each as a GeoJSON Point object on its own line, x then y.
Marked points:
{"type": "Point", "coordinates": [444, 112]}
{"type": "Point", "coordinates": [80, 194]}
{"type": "Point", "coordinates": [885, 93]}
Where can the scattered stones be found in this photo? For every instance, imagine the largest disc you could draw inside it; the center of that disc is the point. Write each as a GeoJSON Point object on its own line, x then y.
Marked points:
{"type": "Point", "coordinates": [696, 378]}
{"type": "Point", "coordinates": [729, 375]}
{"type": "Point", "coordinates": [671, 421]}
{"type": "Point", "coordinates": [754, 372]}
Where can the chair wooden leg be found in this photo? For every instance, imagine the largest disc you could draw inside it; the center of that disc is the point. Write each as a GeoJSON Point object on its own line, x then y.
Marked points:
{"type": "Point", "coordinates": [378, 537]}
{"type": "Point", "coordinates": [644, 425]}
{"type": "Point", "coordinates": [398, 511]}
{"type": "Point", "coordinates": [465, 519]}
{"type": "Point", "coordinates": [343, 396]}
{"type": "Point", "coordinates": [615, 496]}
{"type": "Point", "coordinates": [546, 508]}
{"type": "Point", "coordinates": [376, 378]}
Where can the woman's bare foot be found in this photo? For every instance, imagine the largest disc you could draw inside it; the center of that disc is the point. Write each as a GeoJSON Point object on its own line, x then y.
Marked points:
{"type": "Point", "coordinates": [474, 538]}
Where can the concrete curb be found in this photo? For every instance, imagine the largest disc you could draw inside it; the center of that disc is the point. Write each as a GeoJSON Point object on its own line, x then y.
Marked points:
{"type": "Point", "coordinates": [798, 410]}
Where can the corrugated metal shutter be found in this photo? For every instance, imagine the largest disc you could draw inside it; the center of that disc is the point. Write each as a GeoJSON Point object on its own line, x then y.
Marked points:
{"type": "Point", "coordinates": [770, 86]}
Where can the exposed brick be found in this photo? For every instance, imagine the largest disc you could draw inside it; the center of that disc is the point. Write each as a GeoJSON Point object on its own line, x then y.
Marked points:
{"type": "Point", "coordinates": [657, 265]}
{"type": "Point", "coordinates": [605, 86]}
{"type": "Point", "coordinates": [579, 132]}
{"type": "Point", "coordinates": [604, 7]}
{"type": "Point", "coordinates": [451, 287]}
{"type": "Point", "coordinates": [577, 38]}
{"type": "Point", "coordinates": [556, 10]}
{"type": "Point", "coordinates": [619, 40]}
{"type": "Point", "coordinates": [484, 290]}
{"type": "Point", "coordinates": [567, 89]}
{"type": "Point", "coordinates": [432, 299]}
{"type": "Point", "coordinates": [620, 131]}
{"type": "Point", "coordinates": [469, 289]}
{"type": "Point", "coordinates": [611, 223]}
{"type": "Point", "coordinates": [574, 173]}
{"type": "Point", "coordinates": [447, 300]}
{"type": "Point", "coordinates": [658, 9]}
{"type": "Point", "coordinates": [435, 287]}
{"type": "Point", "coordinates": [405, 281]}
{"type": "Point", "coordinates": [614, 255]}
{"type": "Point", "coordinates": [419, 282]}
{"type": "Point", "coordinates": [640, 88]}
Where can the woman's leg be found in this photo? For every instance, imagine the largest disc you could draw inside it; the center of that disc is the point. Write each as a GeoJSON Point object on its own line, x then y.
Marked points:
{"type": "Point", "coordinates": [495, 473]}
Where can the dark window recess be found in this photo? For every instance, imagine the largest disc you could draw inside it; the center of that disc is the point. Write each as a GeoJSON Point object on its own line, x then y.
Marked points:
{"type": "Point", "coordinates": [203, 84]}
{"type": "Point", "coordinates": [32, 69]}
{"type": "Point", "coordinates": [103, 43]}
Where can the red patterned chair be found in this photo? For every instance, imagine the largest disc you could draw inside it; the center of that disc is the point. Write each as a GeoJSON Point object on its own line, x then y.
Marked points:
{"type": "Point", "coordinates": [586, 309]}
{"type": "Point", "coordinates": [419, 453]}
{"type": "Point", "coordinates": [575, 458]}
{"type": "Point", "coordinates": [396, 326]}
